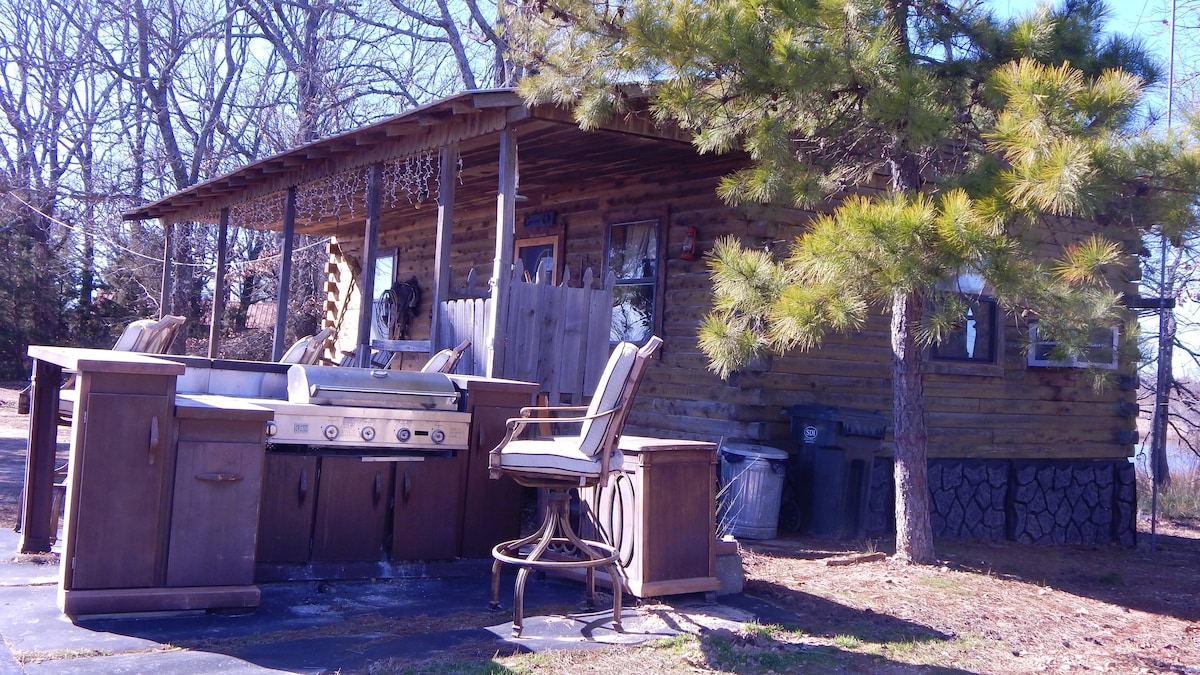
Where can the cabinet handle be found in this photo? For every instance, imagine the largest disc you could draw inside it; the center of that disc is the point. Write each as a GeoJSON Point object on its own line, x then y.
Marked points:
{"type": "Point", "coordinates": [154, 439]}
{"type": "Point", "coordinates": [219, 477]}
{"type": "Point", "coordinates": [302, 488]}
{"type": "Point", "coordinates": [378, 494]}
{"type": "Point", "coordinates": [406, 488]}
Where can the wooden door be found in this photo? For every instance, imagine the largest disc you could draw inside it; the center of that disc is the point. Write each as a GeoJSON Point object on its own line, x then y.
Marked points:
{"type": "Point", "coordinates": [214, 514]}
{"type": "Point", "coordinates": [352, 510]}
{"type": "Point", "coordinates": [120, 517]}
{"type": "Point", "coordinates": [285, 522]}
{"type": "Point", "coordinates": [428, 508]}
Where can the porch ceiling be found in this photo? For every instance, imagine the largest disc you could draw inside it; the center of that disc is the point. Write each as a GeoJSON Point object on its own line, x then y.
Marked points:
{"type": "Point", "coordinates": [555, 158]}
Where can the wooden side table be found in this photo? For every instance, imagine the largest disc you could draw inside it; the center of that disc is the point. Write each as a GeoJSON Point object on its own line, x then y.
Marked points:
{"type": "Point", "coordinates": [659, 512]}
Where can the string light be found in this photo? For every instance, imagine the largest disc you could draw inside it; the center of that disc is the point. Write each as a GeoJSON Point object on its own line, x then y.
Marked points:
{"type": "Point", "coordinates": [258, 213]}
{"type": "Point", "coordinates": [414, 179]}
{"type": "Point", "coordinates": [410, 178]}
{"type": "Point", "coordinates": [335, 196]}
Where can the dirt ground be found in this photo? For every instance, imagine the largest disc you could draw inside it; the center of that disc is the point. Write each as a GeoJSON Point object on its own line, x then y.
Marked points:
{"type": "Point", "coordinates": [988, 607]}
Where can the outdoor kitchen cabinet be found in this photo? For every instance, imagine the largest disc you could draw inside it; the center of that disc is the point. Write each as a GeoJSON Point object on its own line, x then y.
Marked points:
{"type": "Point", "coordinates": [324, 509]}
{"type": "Point", "coordinates": [492, 508]}
{"type": "Point", "coordinates": [138, 536]}
{"type": "Point", "coordinates": [120, 477]}
{"type": "Point", "coordinates": [218, 477]}
{"type": "Point", "coordinates": [119, 493]}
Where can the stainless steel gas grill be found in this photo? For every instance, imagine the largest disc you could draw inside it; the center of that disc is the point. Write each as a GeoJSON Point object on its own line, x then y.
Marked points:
{"type": "Point", "coordinates": [368, 410]}
{"type": "Point", "coordinates": [371, 387]}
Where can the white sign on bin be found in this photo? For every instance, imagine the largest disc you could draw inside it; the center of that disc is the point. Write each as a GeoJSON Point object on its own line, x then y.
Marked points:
{"type": "Point", "coordinates": [810, 434]}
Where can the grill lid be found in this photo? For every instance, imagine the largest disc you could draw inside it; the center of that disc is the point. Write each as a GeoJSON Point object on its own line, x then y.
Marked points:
{"type": "Point", "coordinates": [371, 387]}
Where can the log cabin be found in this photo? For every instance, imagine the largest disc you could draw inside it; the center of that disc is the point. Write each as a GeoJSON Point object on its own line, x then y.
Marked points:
{"type": "Point", "coordinates": [584, 238]}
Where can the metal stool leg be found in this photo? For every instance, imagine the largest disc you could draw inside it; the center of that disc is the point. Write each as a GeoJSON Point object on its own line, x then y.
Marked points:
{"type": "Point", "coordinates": [555, 530]}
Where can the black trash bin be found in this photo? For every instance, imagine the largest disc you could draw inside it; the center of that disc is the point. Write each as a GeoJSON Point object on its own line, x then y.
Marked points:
{"type": "Point", "coordinates": [829, 477]}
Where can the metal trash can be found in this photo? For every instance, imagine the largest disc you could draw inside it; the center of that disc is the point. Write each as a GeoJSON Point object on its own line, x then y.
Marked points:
{"type": "Point", "coordinates": [751, 487]}
{"type": "Point", "coordinates": [829, 477]}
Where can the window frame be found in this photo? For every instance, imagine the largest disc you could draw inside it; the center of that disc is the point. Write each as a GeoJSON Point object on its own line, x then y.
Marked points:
{"type": "Point", "coordinates": [1034, 361]}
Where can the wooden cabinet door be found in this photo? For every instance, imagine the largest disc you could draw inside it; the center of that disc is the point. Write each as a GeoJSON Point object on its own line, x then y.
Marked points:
{"type": "Point", "coordinates": [352, 509]}
{"type": "Point", "coordinates": [120, 519]}
{"type": "Point", "coordinates": [428, 508]}
{"type": "Point", "coordinates": [285, 521]}
{"type": "Point", "coordinates": [214, 514]}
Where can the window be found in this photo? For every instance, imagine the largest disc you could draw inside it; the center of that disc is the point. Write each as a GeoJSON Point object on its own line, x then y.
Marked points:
{"type": "Point", "coordinates": [632, 256]}
{"type": "Point", "coordinates": [540, 257]}
{"type": "Point", "coordinates": [975, 339]}
{"type": "Point", "coordinates": [1101, 351]}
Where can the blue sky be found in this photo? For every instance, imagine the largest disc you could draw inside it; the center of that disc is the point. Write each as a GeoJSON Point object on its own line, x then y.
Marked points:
{"type": "Point", "coordinates": [1141, 18]}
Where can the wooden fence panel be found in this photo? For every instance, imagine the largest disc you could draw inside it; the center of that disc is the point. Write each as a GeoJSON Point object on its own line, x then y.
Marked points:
{"type": "Point", "coordinates": [557, 335]}
{"type": "Point", "coordinates": [460, 320]}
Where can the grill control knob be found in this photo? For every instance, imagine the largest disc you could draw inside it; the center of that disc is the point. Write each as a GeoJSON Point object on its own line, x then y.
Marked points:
{"type": "Point", "coordinates": [404, 434]}
{"type": "Point", "coordinates": [272, 429]}
{"type": "Point", "coordinates": [438, 436]}
{"type": "Point", "coordinates": [331, 432]}
{"type": "Point", "coordinates": [367, 433]}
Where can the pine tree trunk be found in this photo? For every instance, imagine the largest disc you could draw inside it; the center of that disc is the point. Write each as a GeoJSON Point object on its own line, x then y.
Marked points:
{"type": "Point", "coordinates": [914, 535]}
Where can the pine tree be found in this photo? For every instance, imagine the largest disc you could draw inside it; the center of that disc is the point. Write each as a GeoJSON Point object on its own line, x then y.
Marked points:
{"type": "Point", "coordinates": [941, 131]}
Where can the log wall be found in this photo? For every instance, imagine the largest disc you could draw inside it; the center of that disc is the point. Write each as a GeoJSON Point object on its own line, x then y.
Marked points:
{"type": "Point", "coordinates": [1006, 411]}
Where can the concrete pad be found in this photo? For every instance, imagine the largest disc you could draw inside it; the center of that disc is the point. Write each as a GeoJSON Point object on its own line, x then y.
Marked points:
{"type": "Point", "coordinates": [639, 625]}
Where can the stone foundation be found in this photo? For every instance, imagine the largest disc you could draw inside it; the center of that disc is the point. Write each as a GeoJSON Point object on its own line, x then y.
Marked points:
{"type": "Point", "coordinates": [1030, 501]}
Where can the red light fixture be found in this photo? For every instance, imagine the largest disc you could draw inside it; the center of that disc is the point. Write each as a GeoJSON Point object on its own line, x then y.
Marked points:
{"type": "Point", "coordinates": [688, 251]}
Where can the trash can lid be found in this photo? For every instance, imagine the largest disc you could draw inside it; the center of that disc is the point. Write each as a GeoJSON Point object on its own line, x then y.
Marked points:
{"type": "Point", "coordinates": [749, 449]}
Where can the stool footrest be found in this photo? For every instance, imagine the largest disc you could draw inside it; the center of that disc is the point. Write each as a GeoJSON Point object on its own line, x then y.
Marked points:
{"type": "Point", "coordinates": [555, 534]}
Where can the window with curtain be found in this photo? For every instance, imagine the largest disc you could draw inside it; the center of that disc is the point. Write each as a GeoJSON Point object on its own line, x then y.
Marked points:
{"type": "Point", "coordinates": [632, 257]}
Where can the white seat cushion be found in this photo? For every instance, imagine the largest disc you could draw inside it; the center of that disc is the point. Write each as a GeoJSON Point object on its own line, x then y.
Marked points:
{"type": "Point", "coordinates": [554, 457]}
{"type": "Point", "coordinates": [608, 395]}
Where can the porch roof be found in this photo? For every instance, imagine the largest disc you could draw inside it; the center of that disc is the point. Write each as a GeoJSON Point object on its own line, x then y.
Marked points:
{"type": "Point", "coordinates": [554, 155]}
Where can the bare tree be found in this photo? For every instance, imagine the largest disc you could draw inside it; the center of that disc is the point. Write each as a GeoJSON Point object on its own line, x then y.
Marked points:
{"type": "Point", "coordinates": [110, 103]}
{"type": "Point", "coordinates": [43, 60]}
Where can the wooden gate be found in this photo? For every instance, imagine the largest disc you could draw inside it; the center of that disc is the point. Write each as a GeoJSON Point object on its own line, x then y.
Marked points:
{"type": "Point", "coordinates": [557, 336]}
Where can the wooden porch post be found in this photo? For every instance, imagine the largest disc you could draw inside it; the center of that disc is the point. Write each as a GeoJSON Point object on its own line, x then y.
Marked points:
{"type": "Point", "coordinates": [506, 193]}
{"type": "Point", "coordinates": [38, 521]}
{"type": "Point", "coordinates": [285, 274]}
{"type": "Point", "coordinates": [164, 299]}
{"type": "Point", "coordinates": [441, 256]}
{"type": "Point", "coordinates": [366, 284]}
{"type": "Point", "coordinates": [219, 288]}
